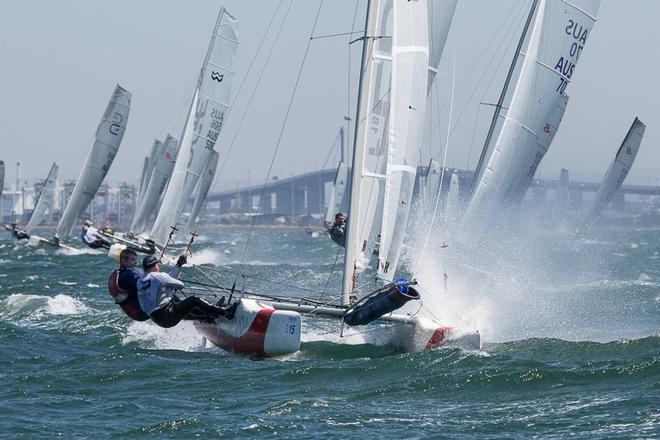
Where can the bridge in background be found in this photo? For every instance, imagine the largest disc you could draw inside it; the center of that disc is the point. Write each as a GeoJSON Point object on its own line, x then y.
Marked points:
{"type": "Point", "coordinates": [305, 194]}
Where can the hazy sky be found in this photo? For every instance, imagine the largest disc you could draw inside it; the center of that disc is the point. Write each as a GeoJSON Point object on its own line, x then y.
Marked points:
{"type": "Point", "coordinates": [61, 60]}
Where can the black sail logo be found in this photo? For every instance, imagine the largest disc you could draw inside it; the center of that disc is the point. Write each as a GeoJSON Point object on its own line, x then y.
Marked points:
{"type": "Point", "coordinates": [216, 76]}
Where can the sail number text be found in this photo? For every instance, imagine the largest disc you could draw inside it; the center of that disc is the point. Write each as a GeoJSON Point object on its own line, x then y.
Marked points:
{"type": "Point", "coordinates": [566, 63]}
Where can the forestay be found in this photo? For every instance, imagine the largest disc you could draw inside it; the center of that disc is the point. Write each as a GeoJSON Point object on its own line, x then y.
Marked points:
{"type": "Point", "coordinates": [203, 189]}
{"type": "Point", "coordinates": [205, 121]}
{"type": "Point", "coordinates": [44, 201]}
{"type": "Point", "coordinates": [163, 164]}
{"type": "Point", "coordinates": [410, 61]}
{"type": "Point", "coordinates": [99, 159]}
{"type": "Point", "coordinates": [617, 171]}
{"type": "Point", "coordinates": [337, 193]}
{"type": "Point", "coordinates": [560, 32]}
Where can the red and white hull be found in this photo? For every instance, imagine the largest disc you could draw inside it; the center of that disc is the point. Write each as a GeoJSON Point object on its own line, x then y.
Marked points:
{"type": "Point", "coordinates": [423, 335]}
{"type": "Point", "coordinates": [256, 330]}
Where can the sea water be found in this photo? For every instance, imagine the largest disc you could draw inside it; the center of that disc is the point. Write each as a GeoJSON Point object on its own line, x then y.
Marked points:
{"type": "Point", "coordinates": [571, 349]}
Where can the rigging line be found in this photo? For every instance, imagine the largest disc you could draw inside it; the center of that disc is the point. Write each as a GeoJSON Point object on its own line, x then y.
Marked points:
{"type": "Point", "coordinates": [245, 275]}
{"type": "Point", "coordinates": [349, 88]}
{"type": "Point", "coordinates": [332, 271]}
{"type": "Point", "coordinates": [332, 150]}
{"type": "Point", "coordinates": [333, 35]}
{"type": "Point", "coordinates": [263, 38]}
{"type": "Point", "coordinates": [433, 315]}
{"type": "Point", "coordinates": [279, 139]}
{"type": "Point", "coordinates": [499, 64]}
{"type": "Point", "coordinates": [444, 160]}
{"type": "Point", "coordinates": [474, 132]}
{"type": "Point", "coordinates": [491, 41]}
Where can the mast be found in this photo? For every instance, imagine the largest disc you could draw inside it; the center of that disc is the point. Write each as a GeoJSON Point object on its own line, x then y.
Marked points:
{"type": "Point", "coordinates": [500, 101]}
{"type": "Point", "coordinates": [356, 171]}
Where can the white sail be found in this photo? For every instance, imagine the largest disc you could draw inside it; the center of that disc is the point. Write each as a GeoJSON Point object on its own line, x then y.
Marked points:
{"type": "Point", "coordinates": [160, 175]}
{"type": "Point", "coordinates": [559, 34]}
{"type": "Point", "coordinates": [2, 176]}
{"type": "Point", "coordinates": [100, 157]}
{"type": "Point", "coordinates": [44, 201]}
{"type": "Point", "coordinates": [453, 195]}
{"type": "Point", "coordinates": [617, 171]}
{"type": "Point", "coordinates": [431, 184]}
{"type": "Point", "coordinates": [337, 193]}
{"type": "Point", "coordinates": [143, 177]}
{"type": "Point", "coordinates": [203, 189]}
{"type": "Point", "coordinates": [205, 121]}
{"type": "Point", "coordinates": [410, 61]}
{"type": "Point", "coordinates": [519, 189]}
{"type": "Point", "coordinates": [440, 15]}
{"type": "Point", "coordinates": [369, 152]}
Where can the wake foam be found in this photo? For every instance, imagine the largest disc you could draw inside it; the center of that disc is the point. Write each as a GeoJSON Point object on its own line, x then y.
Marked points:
{"type": "Point", "coordinates": [182, 337]}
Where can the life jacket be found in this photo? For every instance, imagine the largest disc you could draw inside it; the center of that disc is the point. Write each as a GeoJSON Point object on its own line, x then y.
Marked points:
{"type": "Point", "coordinates": [128, 303]}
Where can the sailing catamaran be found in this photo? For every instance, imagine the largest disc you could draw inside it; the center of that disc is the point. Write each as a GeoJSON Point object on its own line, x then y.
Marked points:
{"type": "Point", "coordinates": [44, 201]}
{"type": "Point", "coordinates": [617, 172]}
{"type": "Point", "coordinates": [506, 167]}
{"type": "Point", "coordinates": [99, 159]}
{"type": "Point", "coordinates": [395, 77]}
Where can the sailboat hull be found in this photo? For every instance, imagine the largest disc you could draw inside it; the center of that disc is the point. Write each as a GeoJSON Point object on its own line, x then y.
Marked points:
{"type": "Point", "coordinates": [425, 335]}
{"type": "Point", "coordinates": [257, 330]}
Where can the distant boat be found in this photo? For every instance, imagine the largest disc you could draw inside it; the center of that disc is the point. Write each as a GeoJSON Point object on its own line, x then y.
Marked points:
{"type": "Point", "coordinates": [559, 32]}
{"type": "Point", "coordinates": [97, 164]}
{"type": "Point", "coordinates": [44, 200]}
{"type": "Point", "coordinates": [203, 189]}
{"type": "Point", "coordinates": [617, 172]}
{"type": "Point", "coordinates": [204, 123]}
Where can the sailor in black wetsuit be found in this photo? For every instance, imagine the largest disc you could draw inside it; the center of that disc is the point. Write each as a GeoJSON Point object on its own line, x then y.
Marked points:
{"type": "Point", "coordinates": [18, 234]}
{"type": "Point", "coordinates": [338, 229]}
{"type": "Point", "coordinates": [90, 236]}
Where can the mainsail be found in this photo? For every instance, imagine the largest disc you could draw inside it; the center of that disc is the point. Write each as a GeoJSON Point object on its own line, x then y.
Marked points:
{"type": "Point", "coordinates": [410, 61]}
{"type": "Point", "coordinates": [203, 188]}
{"type": "Point", "coordinates": [617, 171]}
{"type": "Point", "coordinates": [100, 157]}
{"type": "Point", "coordinates": [205, 121]}
{"type": "Point", "coordinates": [337, 193]}
{"type": "Point", "coordinates": [558, 37]}
{"type": "Point", "coordinates": [163, 164]}
{"type": "Point", "coordinates": [370, 143]}
{"type": "Point", "coordinates": [143, 180]}
{"type": "Point", "coordinates": [44, 201]}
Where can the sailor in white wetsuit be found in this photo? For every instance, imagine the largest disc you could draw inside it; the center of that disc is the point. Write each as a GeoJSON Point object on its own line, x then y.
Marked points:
{"type": "Point", "coordinates": [90, 236]}
{"type": "Point", "coordinates": [156, 295]}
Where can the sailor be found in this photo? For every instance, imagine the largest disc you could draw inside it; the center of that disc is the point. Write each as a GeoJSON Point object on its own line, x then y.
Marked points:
{"type": "Point", "coordinates": [338, 229]}
{"type": "Point", "coordinates": [91, 237]}
{"type": "Point", "coordinates": [19, 234]}
{"type": "Point", "coordinates": [156, 294]}
{"type": "Point", "coordinates": [123, 285]}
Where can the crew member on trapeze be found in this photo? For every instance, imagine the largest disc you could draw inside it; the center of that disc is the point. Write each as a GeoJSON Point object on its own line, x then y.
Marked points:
{"type": "Point", "coordinates": [123, 285]}
{"type": "Point", "coordinates": [91, 237]}
{"type": "Point", "coordinates": [19, 234]}
{"type": "Point", "coordinates": [156, 293]}
{"type": "Point", "coordinates": [338, 229]}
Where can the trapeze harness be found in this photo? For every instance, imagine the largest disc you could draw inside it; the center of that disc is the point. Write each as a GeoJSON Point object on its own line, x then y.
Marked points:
{"type": "Point", "coordinates": [126, 300]}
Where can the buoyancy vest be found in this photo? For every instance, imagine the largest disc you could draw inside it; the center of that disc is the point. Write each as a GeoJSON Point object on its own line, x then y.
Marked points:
{"type": "Point", "coordinates": [122, 297]}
